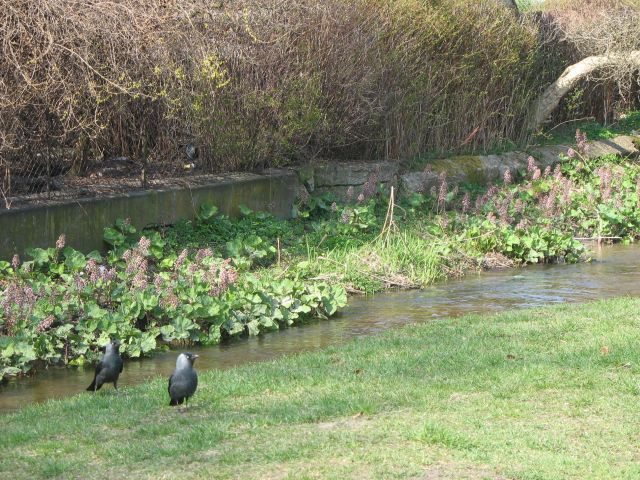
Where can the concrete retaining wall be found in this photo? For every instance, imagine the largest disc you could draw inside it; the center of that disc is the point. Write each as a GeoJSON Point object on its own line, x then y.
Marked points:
{"type": "Point", "coordinates": [83, 220]}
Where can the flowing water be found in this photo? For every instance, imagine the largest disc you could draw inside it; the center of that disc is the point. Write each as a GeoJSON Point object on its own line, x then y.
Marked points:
{"type": "Point", "coordinates": [614, 271]}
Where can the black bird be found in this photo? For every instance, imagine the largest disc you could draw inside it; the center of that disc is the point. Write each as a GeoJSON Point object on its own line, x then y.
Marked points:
{"type": "Point", "coordinates": [192, 151]}
{"type": "Point", "coordinates": [184, 379]}
{"type": "Point", "coordinates": [109, 368]}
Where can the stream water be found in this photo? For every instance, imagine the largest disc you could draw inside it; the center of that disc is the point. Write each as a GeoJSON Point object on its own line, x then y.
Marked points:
{"type": "Point", "coordinates": [614, 271]}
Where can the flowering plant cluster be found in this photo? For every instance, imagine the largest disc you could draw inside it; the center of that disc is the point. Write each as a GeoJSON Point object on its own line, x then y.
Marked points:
{"type": "Point", "coordinates": [60, 306]}
{"type": "Point", "coordinates": [542, 217]}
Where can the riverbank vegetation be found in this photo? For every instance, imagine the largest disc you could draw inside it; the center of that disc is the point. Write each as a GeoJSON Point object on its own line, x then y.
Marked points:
{"type": "Point", "coordinates": [545, 393]}
{"type": "Point", "coordinates": [215, 278]}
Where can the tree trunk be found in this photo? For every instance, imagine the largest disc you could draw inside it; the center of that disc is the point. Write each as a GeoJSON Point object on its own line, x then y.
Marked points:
{"type": "Point", "coordinates": [550, 98]}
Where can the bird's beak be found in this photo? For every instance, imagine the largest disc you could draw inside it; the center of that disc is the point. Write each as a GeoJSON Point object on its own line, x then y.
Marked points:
{"type": "Point", "coordinates": [195, 356]}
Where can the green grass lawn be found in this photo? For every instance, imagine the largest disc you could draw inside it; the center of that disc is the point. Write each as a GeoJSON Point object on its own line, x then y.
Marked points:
{"type": "Point", "coordinates": [536, 394]}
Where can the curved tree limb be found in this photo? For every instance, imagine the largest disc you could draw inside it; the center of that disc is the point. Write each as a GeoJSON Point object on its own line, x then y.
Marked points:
{"type": "Point", "coordinates": [550, 98]}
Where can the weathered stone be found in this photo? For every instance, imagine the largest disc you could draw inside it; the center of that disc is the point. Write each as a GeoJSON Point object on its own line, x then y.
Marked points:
{"type": "Point", "coordinates": [622, 146]}
{"type": "Point", "coordinates": [352, 173]}
{"type": "Point", "coordinates": [417, 182]}
{"type": "Point", "coordinates": [463, 168]}
{"type": "Point", "coordinates": [548, 155]}
{"type": "Point", "coordinates": [306, 176]}
{"type": "Point", "coordinates": [495, 166]}
{"type": "Point", "coordinates": [458, 169]}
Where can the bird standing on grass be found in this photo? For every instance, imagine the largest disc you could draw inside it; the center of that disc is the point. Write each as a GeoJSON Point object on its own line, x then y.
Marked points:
{"type": "Point", "coordinates": [109, 368]}
{"type": "Point", "coordinates": [184, 379]}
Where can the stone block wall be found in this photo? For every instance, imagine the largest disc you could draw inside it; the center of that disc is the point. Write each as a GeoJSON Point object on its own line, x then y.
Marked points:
{"type": "Point", "coordinates": [486, 169]}
{"type": "Point", "coordinates": [337, 177]}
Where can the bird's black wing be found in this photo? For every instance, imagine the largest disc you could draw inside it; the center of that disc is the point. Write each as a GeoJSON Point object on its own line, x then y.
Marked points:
{"type": "Point", "coordinates": [170, 380]}
{"type": "Point", "coordinates": [99, 368]}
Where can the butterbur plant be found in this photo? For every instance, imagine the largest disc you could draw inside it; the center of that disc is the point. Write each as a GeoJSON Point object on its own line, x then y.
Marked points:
{"type": "Point", "coordinates": [224, 286]}
{"type": "Point", "coordinates": [15, 262]}
{"type": "Point", "coordinates": [63, 311]}
{"type": "Point", "coordinates": [466, 202]}
{"type": "Point", "coordinates": [17, 303]}
{"type": "Point", "coordinates": [581, 141]}
{"type": "Point", "coordinates": [442, 191]}
{"type": "Point", "coordinates": [370, 186]}
{"type": "Point", "coordinates": [349, 194]}
{"type": "Point", "coordinates": [61, 242]}
{"type": "Point", "coordinates": [536, 174]}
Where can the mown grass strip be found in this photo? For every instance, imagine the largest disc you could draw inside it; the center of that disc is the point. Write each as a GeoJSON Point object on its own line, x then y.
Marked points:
{"type": "Point", "coordinates": [546, 393]}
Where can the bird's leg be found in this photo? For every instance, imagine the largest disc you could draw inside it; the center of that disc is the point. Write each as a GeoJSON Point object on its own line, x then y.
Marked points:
{"type": "Point", "coordinates": [115, 385]}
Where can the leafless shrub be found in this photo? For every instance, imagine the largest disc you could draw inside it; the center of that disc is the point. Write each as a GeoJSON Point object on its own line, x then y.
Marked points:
{"type": "Point", "coordinates": [258, 82]}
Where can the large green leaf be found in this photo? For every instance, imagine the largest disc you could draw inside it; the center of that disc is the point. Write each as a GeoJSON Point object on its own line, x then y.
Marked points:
{"type": "Point", "coordinates": [207, 211]}
{"type": "Point", "coordinates": [40, 255]}
{"type": "Point", "coordinates": [74, 260]}
{"type": "Point", "coordinates": [113, 236]}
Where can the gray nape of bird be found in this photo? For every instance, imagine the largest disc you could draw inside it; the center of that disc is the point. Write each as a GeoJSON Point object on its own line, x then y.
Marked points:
{"type": "Point", "coordinates": [109, 368]}
{"type": "Point", "coordinates": [184, 379]}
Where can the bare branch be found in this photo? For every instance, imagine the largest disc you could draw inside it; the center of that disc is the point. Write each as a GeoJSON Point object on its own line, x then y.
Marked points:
{"type": "Point", "coordinates": [551, 97]}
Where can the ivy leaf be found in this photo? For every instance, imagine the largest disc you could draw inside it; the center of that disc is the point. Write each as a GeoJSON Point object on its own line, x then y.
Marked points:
{"type": "Point", "coordinates": [329, 305]}
{"type": "Point", "coordinates": [95, 256]}
{"type": "Point", "coordinates": [253, 327]}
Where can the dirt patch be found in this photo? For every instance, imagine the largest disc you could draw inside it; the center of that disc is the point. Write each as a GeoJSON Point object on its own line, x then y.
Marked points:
{"type": "Point", "coordinates": [350, 423]}
{"type": "Point", "coordinates": [457, 471]}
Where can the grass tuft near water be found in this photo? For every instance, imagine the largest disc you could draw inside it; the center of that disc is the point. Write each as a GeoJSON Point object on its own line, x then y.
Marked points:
{"type": "Point", "coordinates": [536, 394]}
